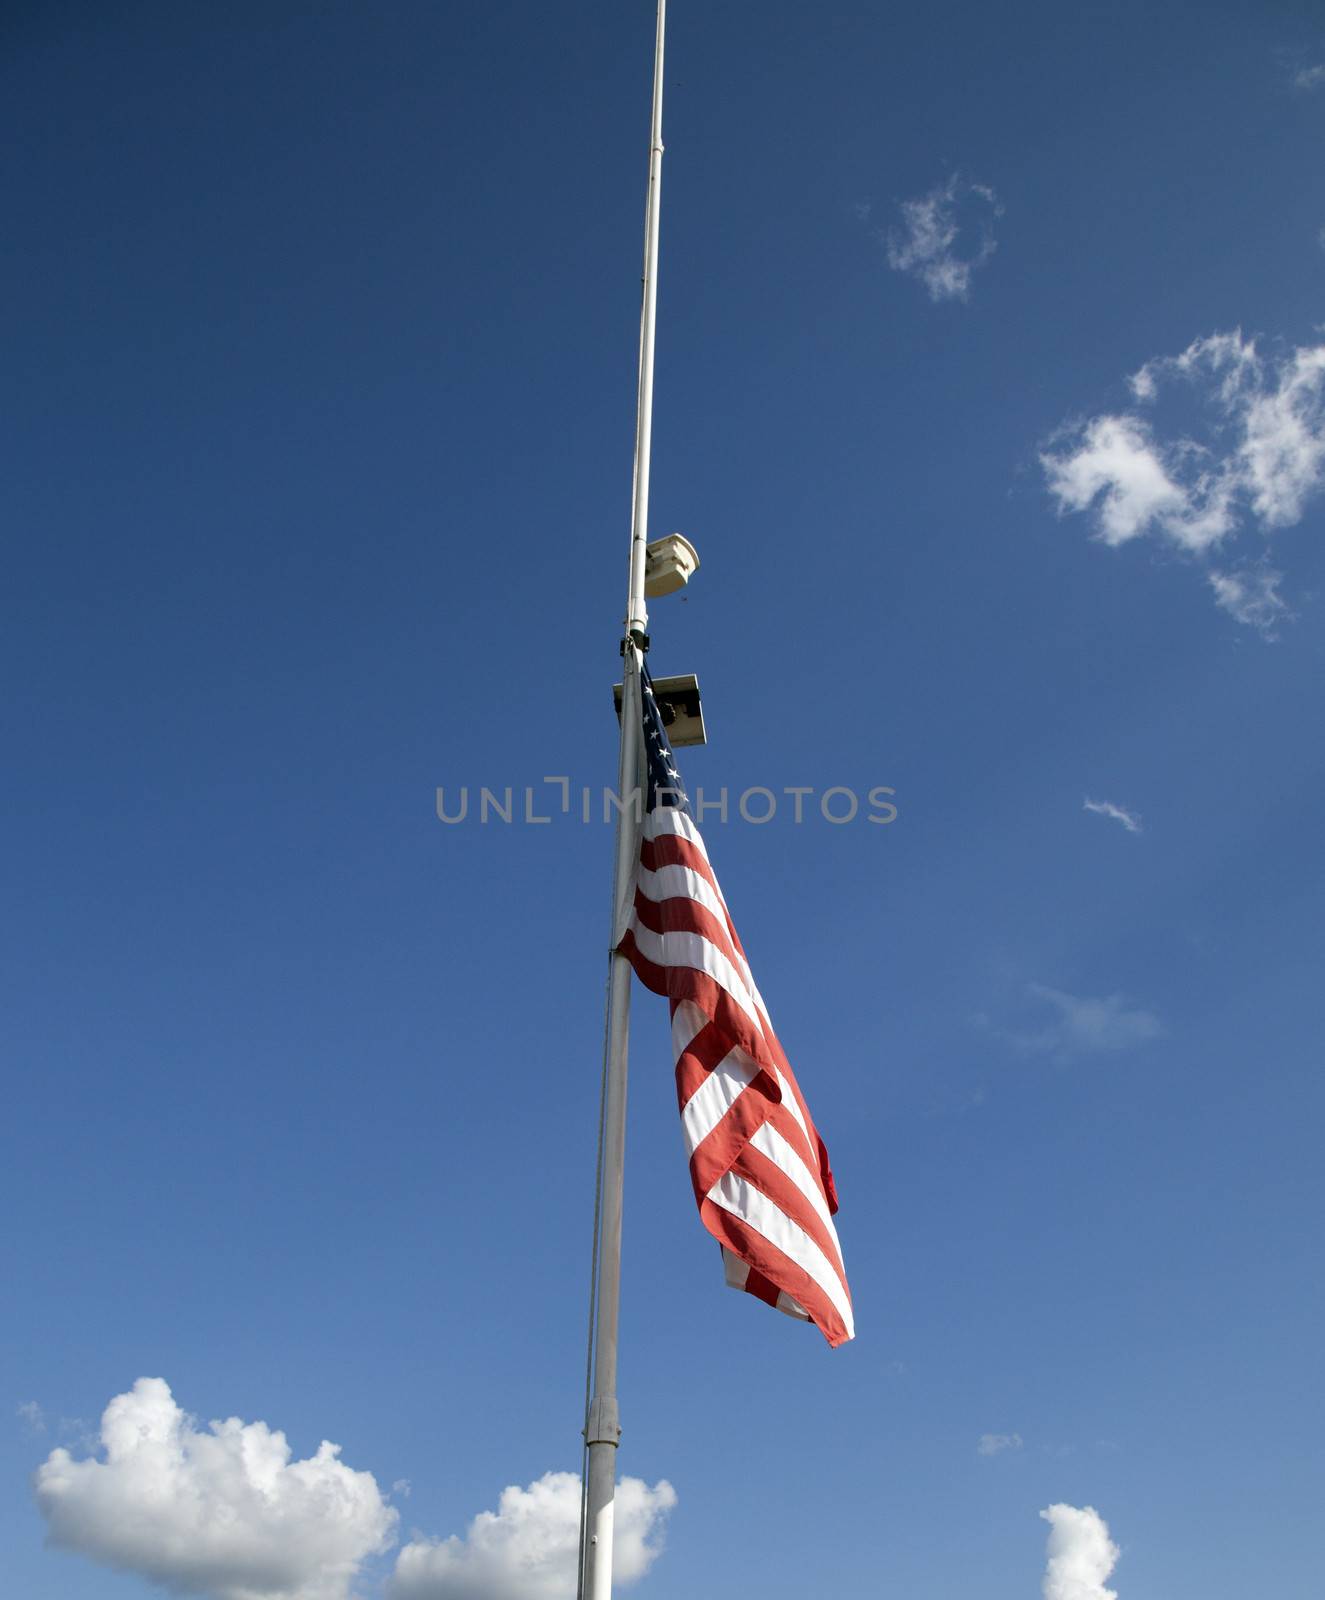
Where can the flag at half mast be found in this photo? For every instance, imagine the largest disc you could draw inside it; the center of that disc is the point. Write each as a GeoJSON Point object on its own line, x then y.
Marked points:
{"type": "Point", "coordinates": [759, 1168]}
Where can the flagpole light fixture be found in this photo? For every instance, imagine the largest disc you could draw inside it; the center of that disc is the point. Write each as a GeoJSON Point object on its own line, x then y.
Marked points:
{"type": "Point", "coordinates": [678, 706]}
{"type": "Point", "coordinates": [669, 564]}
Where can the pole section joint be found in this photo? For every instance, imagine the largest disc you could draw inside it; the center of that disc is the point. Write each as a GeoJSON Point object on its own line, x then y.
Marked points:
{"type": "Point", "coordinates": [604, 1423]}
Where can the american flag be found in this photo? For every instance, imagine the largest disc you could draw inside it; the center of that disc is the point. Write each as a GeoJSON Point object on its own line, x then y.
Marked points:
{"type": "Point", "coordinates": [759, 1168]}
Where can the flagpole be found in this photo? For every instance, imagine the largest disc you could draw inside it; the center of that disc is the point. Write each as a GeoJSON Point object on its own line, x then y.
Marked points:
{"type": "Point", "coordinates": [602, 1427]}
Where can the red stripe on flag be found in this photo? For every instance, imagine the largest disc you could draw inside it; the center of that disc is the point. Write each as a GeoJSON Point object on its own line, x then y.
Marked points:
{"type": "Point", "coordinates": [688, 983]}
{"type": "Point", "coordinates": [788, 1197]}
{"type": "Point", "coordinates": [742, 1240]}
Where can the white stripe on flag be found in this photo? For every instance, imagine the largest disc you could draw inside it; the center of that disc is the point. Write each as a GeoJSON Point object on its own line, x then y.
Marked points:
{"type": "Point", "coordinates": [687, 1021]}
{"type": "Point", "coordinates": [769, 1142]}
{"type": "Point", "coordinates": [743, 1200]}
{"type": "Point", "coordinates": [675, 882]}
{"type": "Point", "coordinates": [715, 1097]}
{"type": "Point", "coordinates": [702, 955]}
{"type": "Point", "coordinates": [670, 819]}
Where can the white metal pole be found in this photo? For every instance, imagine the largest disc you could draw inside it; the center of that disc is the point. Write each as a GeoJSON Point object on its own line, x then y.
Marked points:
{"type": "Point", "coordinates": [637, 616]}
{"type": "Point", "coordinates": [602, 1430]}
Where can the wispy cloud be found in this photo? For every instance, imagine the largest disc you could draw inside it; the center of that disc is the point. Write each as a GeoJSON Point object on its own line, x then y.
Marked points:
{"type": "Point", "coordinates": [1116, 813]}
{"type": "Point", "coordinates": [1261, 459]}
{"type": "Point", "coordinates": [1309, 77]}
{"type": "Point", "coordinates": [221, 1512]}
{"type": "Point", "coordinates": [944, 236]}
{"type": "Point", "coordinates": [994, 1444]}
{"type": "Point", "coordinates": [1251, 596]}
{"type": "Point", "coordinates": [33, 1416]}
{"type": "Point", "coordinates": [528, 1548]}
{"type": "Point", "coordinates": [1080, 1025]}
{"type": "Point", "coordinates": [1080, 1555]}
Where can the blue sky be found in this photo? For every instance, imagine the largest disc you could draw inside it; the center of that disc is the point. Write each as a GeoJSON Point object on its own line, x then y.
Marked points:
{"type": "Point", "coordinates": [989, 389]}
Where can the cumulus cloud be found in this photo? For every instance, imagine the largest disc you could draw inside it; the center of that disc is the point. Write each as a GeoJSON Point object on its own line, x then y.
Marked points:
{"type": "Point", "coordinates": [528, 1548]}
{"type": "Point", "coordinates": [1115, 813]}
{"type": "Point", "coordinates": [994, 1444]}
{"type": "Point", "coordinates": [1084, 1026]}
{"type": "Point", "coordinates": [222, 1512]}
{"type": "Point", "coordinates": [944, 237]}
{"type": "Point", "coordinates": [1260, 462]}
{"type": "Point", "coordinates": [1080, 1554]}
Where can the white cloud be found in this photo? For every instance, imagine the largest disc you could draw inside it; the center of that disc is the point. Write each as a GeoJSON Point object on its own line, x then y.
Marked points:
{"type": "Point", "coordinates": [222, 1512]}
{"type": "Point", "coordinates": [1283, 448]}
{"type": "Point", "coordinates": [1309, 77]}
{"type": "Point", "coordinates": [994, 1444]}
{"type": "Point", "coordinates": [1080, 1554]}
{"type": "Point", "coordinates": [1227, 356]}
{"type": "Point", "coordinates": [1137, 486]}
{"type": "Point", "coordinates": [1260, 463]}
{"type": "Point", "coordinates": [1084, 1026]}
{"type": "Point", "coordinates": [528, 1548]}
{"type": "Point", "coordinates": [1106, 808]}
{"type": "Point", "coordinates": [926, 244]}
{"type": "Point", "coordinates": [1251, 597]}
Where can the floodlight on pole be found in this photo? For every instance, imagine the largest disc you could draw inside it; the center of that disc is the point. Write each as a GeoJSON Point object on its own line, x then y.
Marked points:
{"type": "Point", "coordinates": [669, 564]}
{"type": "Point", "coordinates": [679, 707]}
